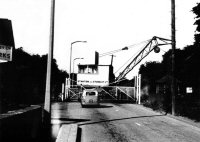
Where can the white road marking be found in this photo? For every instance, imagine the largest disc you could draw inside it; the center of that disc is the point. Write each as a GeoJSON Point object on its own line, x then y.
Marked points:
{"type": "Point", "coordinates": [116, 110]}
{"type": "Point", "coordinates": [138, 124]}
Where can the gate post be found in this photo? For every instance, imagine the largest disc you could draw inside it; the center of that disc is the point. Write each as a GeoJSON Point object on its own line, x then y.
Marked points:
{"type": "Point", "coordinates": [116, 91]}
{"type": "Point", "coordinates": [67, 83]}
{"type": "Point", "coordinates": [139, 88]}
{"type": "Point", "coordinates": [136, 88]}
{"type": "Point", "coordinates": [63, 91]}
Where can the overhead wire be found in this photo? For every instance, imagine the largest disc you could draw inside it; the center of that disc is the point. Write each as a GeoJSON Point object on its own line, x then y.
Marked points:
{"type": "Point", "coordinates": [133, 55]}
{"type": "Point", "coordinates": [117, 50]}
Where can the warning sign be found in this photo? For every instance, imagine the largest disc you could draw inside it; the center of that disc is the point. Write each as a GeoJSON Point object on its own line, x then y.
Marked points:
{"type": "Point", "coordinates": [5, 53]}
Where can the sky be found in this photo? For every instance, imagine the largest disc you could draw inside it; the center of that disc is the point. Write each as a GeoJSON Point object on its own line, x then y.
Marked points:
{"type": "Point", "coordinates": [106, 25]}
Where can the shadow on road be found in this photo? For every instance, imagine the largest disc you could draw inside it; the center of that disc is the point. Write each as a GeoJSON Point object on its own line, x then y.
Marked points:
{"type": "Point", "coordinates": [97, 106]}
{"type": "Point", "coordinates": [69, 119]}
{"type": "Point", "coordinates": [119, 119]}
{"type": "Point", "coordinates": [78, 138]}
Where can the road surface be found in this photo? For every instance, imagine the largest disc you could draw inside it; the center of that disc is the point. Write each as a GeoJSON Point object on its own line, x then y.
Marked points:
{"type": "Point", "coordinates": [122, 123]}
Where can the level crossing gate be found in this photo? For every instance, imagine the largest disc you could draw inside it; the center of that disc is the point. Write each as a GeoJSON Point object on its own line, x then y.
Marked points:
{"type": "Point", "coordinates": [107, 94]}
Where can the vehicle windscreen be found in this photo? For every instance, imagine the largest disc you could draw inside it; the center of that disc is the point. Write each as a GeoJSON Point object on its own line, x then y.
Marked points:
{"type": "Point", "coordinates": [90, 93]}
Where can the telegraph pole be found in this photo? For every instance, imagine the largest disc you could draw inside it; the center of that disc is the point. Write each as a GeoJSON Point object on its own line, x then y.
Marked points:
{"type": "Point", "coordinates": [47, 103]}
{"type": "Point", "coordinates": [46, 117]}
{"type": "Point", "coordinates": [173, 30]}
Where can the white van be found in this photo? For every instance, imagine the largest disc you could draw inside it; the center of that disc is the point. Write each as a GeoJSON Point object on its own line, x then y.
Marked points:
{"type": "Point", "coordinates": [89, 97]}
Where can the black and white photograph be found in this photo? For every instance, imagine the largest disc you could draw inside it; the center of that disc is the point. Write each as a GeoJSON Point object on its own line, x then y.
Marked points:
{"type": "Point", "coordinates": [99, 71]}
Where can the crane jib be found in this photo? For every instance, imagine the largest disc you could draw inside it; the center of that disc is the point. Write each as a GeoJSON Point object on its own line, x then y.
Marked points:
{"type": "Point", "coordinates": [150, 46]}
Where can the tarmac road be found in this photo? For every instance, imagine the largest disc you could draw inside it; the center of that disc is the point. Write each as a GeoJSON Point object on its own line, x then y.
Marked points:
{"type": "Point", "coordinates": [123, 123]}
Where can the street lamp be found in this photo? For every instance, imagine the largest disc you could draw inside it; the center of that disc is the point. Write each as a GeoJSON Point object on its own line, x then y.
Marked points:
{"type": "Point", "coordinates": [71, 58]}
{"type": "Point", "coordinates": [73, 69]}
{"type": "Point", "coordinates": [47, 102]}
{"type": "Point", "coordinates": [46, 114]}
{"type": "Point", "coordinates": [74, 62]}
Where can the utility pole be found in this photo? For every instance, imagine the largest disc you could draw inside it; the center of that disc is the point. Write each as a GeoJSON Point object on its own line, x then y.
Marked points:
{"type": "Point", "coordinates": [47, 103]}
{"type": "Point", "coordinates": [173, 30]}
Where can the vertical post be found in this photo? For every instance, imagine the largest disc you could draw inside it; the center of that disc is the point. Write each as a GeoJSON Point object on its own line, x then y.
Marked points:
{"type": "Point", "coordinates": [120, 96]}
{"type": "Point", "coordinates": [173, 30]}
{"type": "Point", "coordinates": [63, 91]}
{"type": "Point", "coordinates": [1, 105]}
{"type": "Point", "coordinates": [47, 103]}
{"type": "Point", "coordinates": [112, 59]}
{"type": "Point", "coordinates": [71, 60]}
{"type": "Point", "coordinates": [116, 91]}
{"type": "Point", "coordinates": [136, 88]}
{"type": "Point", "coordinates": [73, 74]}
{"type": "Point", "coordinates": [139, 88]}
{"type": "Point", "coordinates": [70, 64]}
{"type": "Point", "coordinates": [66, 89]}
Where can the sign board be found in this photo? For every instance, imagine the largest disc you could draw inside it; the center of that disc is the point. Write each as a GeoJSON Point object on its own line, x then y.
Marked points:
{"type": "Point", "coordinates": [98, 78]}
{"type": "Point", "coordinates": [189, 90]}
{"type": "Point", "coordinates": [6, 53]}
{"type": "Point", "coordinates": [93, 82]}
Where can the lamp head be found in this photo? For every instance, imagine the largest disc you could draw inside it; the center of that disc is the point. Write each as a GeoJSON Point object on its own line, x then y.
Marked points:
{"type": "Point", "coordinates": [156, 49]}
{"type": "Point", "coordinates": [125, 48]}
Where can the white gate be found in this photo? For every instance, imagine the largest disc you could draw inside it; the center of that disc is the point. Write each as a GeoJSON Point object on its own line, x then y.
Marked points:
{"type": "Point", "coordinates": [118, 94]}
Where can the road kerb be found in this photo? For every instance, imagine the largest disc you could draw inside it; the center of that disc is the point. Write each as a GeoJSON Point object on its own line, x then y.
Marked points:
{"type": "Point", "coordinates": [180, 118]}
{"type": "Point", "coordinates": [67, 133]}
{"type": "Point", "coordinates": [185, 120]}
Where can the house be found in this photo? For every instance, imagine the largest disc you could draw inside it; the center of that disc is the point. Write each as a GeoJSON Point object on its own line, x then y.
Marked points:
{"type": "Point", "coordinates": [164, 85]}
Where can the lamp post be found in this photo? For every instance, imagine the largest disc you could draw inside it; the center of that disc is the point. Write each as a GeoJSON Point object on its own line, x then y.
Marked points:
{"type": "Point", "coordinates": [71, 59]}
{"type": "Point", "coordinates": [73, 69]}
{"type": "Point", "coordinates": [47, 104]}
{"type": "Point", "coordinates": [74, 62]}
{"type": "Point", "coordinates": [46, 116]}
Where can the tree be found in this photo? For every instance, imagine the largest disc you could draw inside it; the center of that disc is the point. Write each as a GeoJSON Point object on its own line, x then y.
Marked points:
{"type": "Point", "coordinates": [187, 72]}
{"type": "Point", "coordinates": [24, 79]}
{"type": "Point", "coordinates": [151, 71]}
{"type": "Point", "coordinates": [196, 10]}
{"type": "Point", "coordinates": [179, 62]}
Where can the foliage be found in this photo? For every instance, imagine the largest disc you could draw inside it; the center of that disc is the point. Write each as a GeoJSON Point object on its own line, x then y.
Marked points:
{"type": "Point", "coordinates": [151, 71]}
{"type": "Point", "coordinates": [186, 70]}
{"type": "Point", "coordinates": [24, 79]}
{"type": "Point", "coordinates": [196, 11]}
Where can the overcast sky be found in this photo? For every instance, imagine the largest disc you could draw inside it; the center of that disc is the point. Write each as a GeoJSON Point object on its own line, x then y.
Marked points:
{"type": "Point", "coordinates": [106, 25]}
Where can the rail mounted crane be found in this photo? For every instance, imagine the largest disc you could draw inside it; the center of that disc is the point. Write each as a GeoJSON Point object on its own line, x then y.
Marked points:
{"type": "Point", "coordinates": [153, 44]}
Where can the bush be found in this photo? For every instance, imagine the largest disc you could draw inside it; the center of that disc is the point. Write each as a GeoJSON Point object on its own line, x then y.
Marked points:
{"type": "Point", "coordinates": [144, 98]}
{"type": "Point", "coordinates": [155, 105]}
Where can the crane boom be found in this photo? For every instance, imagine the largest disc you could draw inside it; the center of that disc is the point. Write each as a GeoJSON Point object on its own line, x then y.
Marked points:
{"type": "Point", "coordinates": [150, 46]}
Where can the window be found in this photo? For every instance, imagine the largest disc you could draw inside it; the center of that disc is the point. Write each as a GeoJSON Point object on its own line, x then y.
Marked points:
{"type": "Point", "coordinates": [90, 93]}
{"type": "Point", "coordinates": [88, 69]}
